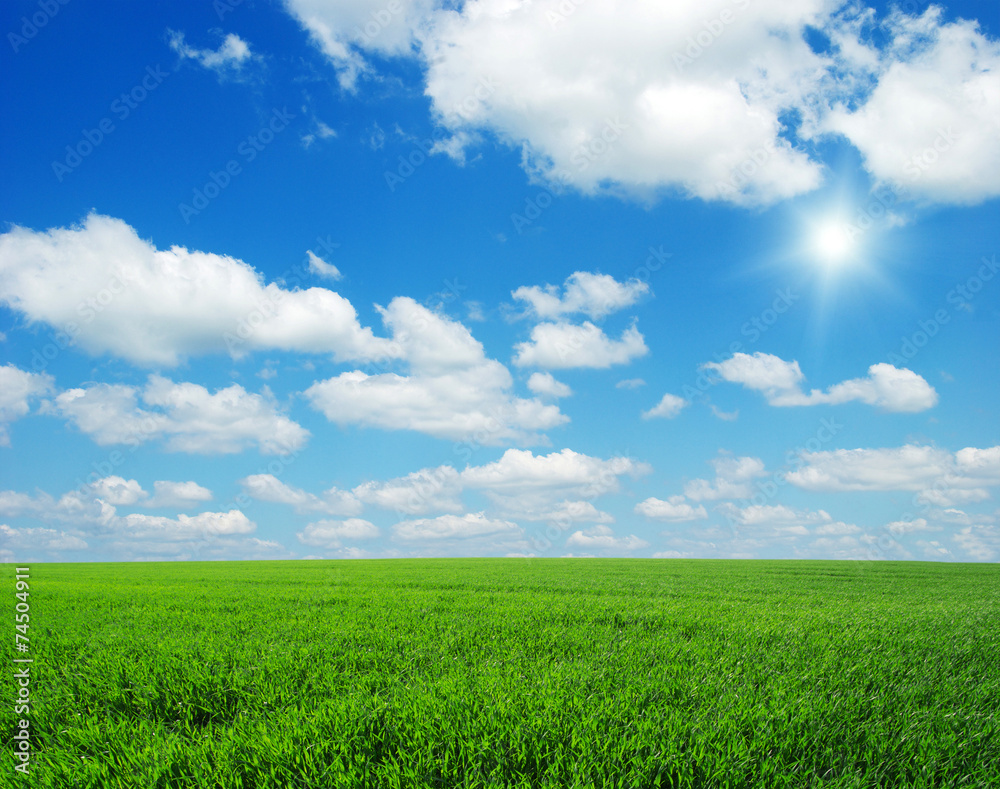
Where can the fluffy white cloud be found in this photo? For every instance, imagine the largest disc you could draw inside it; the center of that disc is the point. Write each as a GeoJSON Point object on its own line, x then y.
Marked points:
{"type": "Point", "coordinates": [321, 268]}
{"type": "Point", "coordinates": [17, 388]}
{"type": "Point", "coordinates": [938, 476]}
{"type": "Point", "coordinates": [732, 479]}
{"type": "Point", "coordinates": [545, 385]}
{"type": "Point", "coordinates": [673, 510]}
{"type": "Point", "coordinates": [185, 527]}
{"type": "Point", "coordinates": [232, 54]}
{"type": "Point", "coordinates": [711, 98]}
{"type": "Point", "coordinates": [329, 534]}
{"type": "Point", "coordinates": [931, 125]}
{"type": "Point", "coordinates": [121, 295]}
{"type": "Point", "coordinates": [76, 507]}
{"type": "Point", "coordinates": [520, 472]}
{"type": "Point", "coordinates": [453, 390]}
{"type": "Point", "coordinates": [563, 512]}
{"type": "Point", "coordinates": [778, 521]}
{"type": "Point", "coordinates": [450, 527]}
{"type": "Point", "coordinates": [981, 543]}
{"type": "Point", "coordinates": [887, 387]}
{"type": "Point", "coordinates": [428, 490]}
{"type": "Point", "coordinates": [603, 538]}
{"type": "Point", "coordinates": [118, 491]}
{"type": "Point", "coordinates": [593, 295]}
{"type": "Point", "coordinates": [190, 417]}
{"type": "Point", "coordinates": [37, 539]}
{"type": "Point", "coordinates": [668, 407]}
{"type": "Point", "coordinates": [179, 495]}
{"type": "Point", "coordinates": [564, 345]}
{"type": "Point", "coordinates": [267, 487]}
{"type": "Point", "coordinates": [343, 31]}
{"type": "Point", "coordinates": [601, 104]}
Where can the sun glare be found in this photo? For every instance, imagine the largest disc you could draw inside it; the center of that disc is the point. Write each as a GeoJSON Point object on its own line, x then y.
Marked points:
{"type": "Point", "coordinates": [832, 244]}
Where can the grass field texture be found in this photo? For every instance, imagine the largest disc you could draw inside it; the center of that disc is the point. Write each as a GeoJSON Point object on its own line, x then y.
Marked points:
{"type": "Point", "coordinates": [511, 673]}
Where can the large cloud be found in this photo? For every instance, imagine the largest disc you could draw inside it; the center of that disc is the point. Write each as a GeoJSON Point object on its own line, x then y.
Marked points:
{"type": "Point", "coordinates": [267, 487]}
{"type": "Point", "coordinates": [940, 477]}
{"type": "Point", "coordinates": [931, 125]}
{"type": "Point", "coordinates": [886, 386]}
{"type": "Point", "coordinates": [113, 292]}
{"type": "Point", "coordinates": [17, 388]}
{"type": "Point", "coordinates": [558, 346]}
{"type": "Point", "coordinates": [711, 98]}
{"type": "Point", "coordinates": [190, 417]}
{"type": "Point", "coordinates": [453, 391]}
{"type": "Point", "coordinates": [593, 295]}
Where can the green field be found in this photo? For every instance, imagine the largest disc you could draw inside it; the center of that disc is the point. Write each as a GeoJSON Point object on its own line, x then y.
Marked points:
{"type": "Point", "coordinates": [511, 672]}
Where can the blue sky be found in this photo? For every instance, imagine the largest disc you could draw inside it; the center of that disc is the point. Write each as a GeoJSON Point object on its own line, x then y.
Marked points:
{"type": "Point", "coordinates": [335, 279]}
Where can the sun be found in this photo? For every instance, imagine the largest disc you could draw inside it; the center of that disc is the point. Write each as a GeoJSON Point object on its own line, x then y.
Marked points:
{"type": "Point", "coordinates": [832, 244]}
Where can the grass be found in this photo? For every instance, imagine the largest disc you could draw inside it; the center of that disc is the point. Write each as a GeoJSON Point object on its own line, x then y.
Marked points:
{"type": "Point", "coordinates": [511, 673]}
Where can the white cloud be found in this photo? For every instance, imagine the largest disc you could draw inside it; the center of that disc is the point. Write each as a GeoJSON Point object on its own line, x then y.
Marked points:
{"type": "Point", "coordinates": [188, 416]}
{"type": "Point", "coordinates": [563, 512]}
{"type": "Point", "coordinates": [769, 521]}
{"type": "Point", "coordinates": [593, 295]}
{"type": "Point", "coordinates": [321, 268]}
{"type": "Point", "coordinates": [519, 473]}
{"type": "Point", "coordinates": [232, 54]}
{"type": "Point", "coordinates": [38, 539]}
{"type": "Point", "coordinates": [330, 534]}
{"type": "Point", "coordinates": [545, 384]}
{"type": "Point", "coordinates": [888, 387]}
{"type": "Point", "coordinates": [630, 383]}
{"type": "Point", "coordinates": [453, 391]}
{"type": "Point", "coordinates": [428, 490]}
{"type": "Point", "coordinates": [668, 407]}
{"type": "Point", "coordinates": [673, 510]}
{"type": "Point", "coordinates": [600, 104]}
{"type": "Point", "coordinates": [121, 295]}
{"type": "Point", "coordinates": [715, 99]}
{"type": "Point", "coordinates": [179, 495]}
{"type": "Point", "coordinates": [564, 345]}
{"type": "Point", "coordinates": [981, 543]}
{"type": "Point", "coordinates": [118, 491]}
{"type": "Point", "coordinates": [17, 388]}
{"type": "Point", "coordinates": [931, 125]}
{"type": "Point", "coordinates": [939, 477]}
{"type": "Point", "coordinates": [267, 487]}
{"type": "Point", "coordinates": [602, 538]}
{"type": "Point", "coordinates": [450, 527]}
{"type": "Point", "coordinates": [905, 527]}
{"type": "Point", "coordinates": [185, 527]}
{"type": "Point", "coordinates": [344, 30]}
{"type": "Point", "coordinates": [732, 479]}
